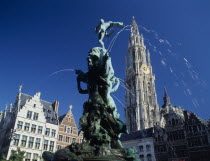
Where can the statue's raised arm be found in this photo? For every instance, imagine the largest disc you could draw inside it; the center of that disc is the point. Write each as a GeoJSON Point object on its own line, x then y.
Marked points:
{"type": "Point", "coordinates": [118, 24]}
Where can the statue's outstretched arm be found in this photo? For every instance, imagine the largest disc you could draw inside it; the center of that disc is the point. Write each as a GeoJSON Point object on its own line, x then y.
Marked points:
{"type": "Point", "coordinates": [118, 24]}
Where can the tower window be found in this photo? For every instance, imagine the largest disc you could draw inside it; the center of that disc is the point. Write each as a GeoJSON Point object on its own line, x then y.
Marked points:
{"type": "Point", "coordinates": [149, 88]}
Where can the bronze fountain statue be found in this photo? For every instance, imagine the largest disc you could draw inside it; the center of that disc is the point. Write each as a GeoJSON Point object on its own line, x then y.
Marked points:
{"type": "Point", "coordinates": [100, 121]}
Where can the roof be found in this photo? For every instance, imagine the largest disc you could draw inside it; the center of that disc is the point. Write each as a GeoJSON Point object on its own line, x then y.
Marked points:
{"type": "Point", "coordinates": [49, 112]}
{"type": "Point", "coordinates": [61, 118]}
{"type": "Point", "coordinates": [205, 122]}
{"type": "Point", "coordinates": [145, 133]}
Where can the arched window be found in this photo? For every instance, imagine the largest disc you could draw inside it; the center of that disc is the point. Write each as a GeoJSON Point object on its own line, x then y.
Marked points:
{"type": "Point", "coordinates": [141, 157]}
{"type": "Point", "coordinates": [149, 87]}
{"type": "Point", "coordinates": [149, 157]}
{"type": "Point", "coordinates": [148, 147]}
{"type": "Point", "coordinates": [68, 130]}
{"type": "Point", "coordinates": [71, 130]}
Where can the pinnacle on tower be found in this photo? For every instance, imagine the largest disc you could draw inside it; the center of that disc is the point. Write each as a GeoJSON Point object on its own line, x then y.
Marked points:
{"type": "Point", "coordinates": [166, 99]}
{"type": "Point", "coordinates": [134, 27]}
{"type": "Point", "coordinates": [148, 58]}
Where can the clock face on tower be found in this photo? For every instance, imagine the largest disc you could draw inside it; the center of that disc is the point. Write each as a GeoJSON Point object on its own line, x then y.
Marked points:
{"type": "Point", "coordinates": [145, 69]}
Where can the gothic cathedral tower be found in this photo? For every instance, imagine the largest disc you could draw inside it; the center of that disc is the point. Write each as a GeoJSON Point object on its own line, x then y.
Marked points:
{"type": "Point", "coordinates": [142, 110]}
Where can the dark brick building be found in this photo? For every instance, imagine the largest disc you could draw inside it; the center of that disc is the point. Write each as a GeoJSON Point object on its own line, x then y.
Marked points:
{"type": "Point", "coordinates": [181, 136]}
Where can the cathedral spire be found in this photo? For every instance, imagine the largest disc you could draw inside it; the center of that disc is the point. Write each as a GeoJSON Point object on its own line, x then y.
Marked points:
{"type": "Point", "coordinates": [134, 28]}
{"type": "Point", "coordinates": [166, 99]}
{"type": "Point", "coordinates": [141, 98]}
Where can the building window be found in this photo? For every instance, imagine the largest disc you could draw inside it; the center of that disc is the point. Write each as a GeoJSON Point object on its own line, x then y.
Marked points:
{"type": "Point", "coordinates": [69, 119]}
{"type": "Point", "coordinates": [40, 129]}
{"type": "Point", "coordinates": [173, 122]}
{"type": "Point", "coordinates": [149, 157]}
{"type": "Point", "coordinates": [24, 141]}
{"type": "Point", "coordinates": [195, 129]}
{"type": "Point", "coordinates": [141, 148]}
{"type": "Point", "coordinates": [73, 140]}
{"type": "Point", "coordinates": [47, 132]}
{"type": "Point", "coordinates": [27, 125]}
{"type": "Point", "coordinates": [81, 140]}
{"type": "Point", "coordinates": [34, 105]}
{"type": "Point", "coordinates": [16, 139]}
{"type": "Point", "coordinates": [148, 147]}
{"type": "Point", "coordinates": [29, 114]}
{"type": "Point", "coordinates": [31, 142]}
{"type": "Point", "coordinates": [141, 157]}
{"type": "Point", "coordinates": [68, 130]}
{"type": "Point", "coordinates": [53, 133]}
{"type": "Point", "coordinates": [19, 125]}
{"type": "Point", "coordinates": [60, 138]}
{"type": "Point", "coordinates": [59, 147]}
{"type": "Point", "coordinates": [35, 157]}
{"type": "Point", "coordinates": [36, 115]}
{"type": "Point", "coordinates": [37, 144]}
{"type": "Point", "coordinates": [67, 139]}
{"type": "Point", "coordinates": [46, 144]}
{"type": "Point", "coordinates": [28, 157]}
{"type": "Point", "coordinates": [65, 128]}
{"type": "Point", "coordinates": [51, 145]}
{"type": "Point", "coordinates": [33, 128]}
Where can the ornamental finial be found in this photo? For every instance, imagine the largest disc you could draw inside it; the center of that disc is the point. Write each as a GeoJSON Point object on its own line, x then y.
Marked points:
{"type": "Point", "coordinates": [20, 88]}
{"type": "Point", "coordinates": [70, 107]}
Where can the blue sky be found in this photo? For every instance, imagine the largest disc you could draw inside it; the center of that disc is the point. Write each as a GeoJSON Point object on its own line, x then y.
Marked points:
{"type": "Point", "coordinates": [39, 37]}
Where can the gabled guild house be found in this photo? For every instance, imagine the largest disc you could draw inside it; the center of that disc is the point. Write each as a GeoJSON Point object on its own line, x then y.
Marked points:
{"type": "Point", "coordinates": [68, 132]}
{"type": "Point", "coordinates": [31, 124]}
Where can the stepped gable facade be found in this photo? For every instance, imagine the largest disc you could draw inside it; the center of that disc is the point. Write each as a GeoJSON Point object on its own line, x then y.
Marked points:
{"type": "Point", "coordinates": [31, 124]}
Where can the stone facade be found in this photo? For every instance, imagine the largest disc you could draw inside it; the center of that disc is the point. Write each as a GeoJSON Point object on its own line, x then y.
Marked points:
{"type": "Point", "coordinates": [68, 131]}
{"type": "Point", "coordinates": [142, 110]}
{"type": "Point", "coordinates": [142, 141]}
{"type": "Point", "coordinates": [31, 124]}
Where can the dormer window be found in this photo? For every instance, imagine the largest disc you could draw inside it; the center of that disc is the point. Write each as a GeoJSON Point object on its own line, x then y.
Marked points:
{"type": "Point", "coordinates": [34, 105]}
{"type": "Point", "coordinates": [69, 119]}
